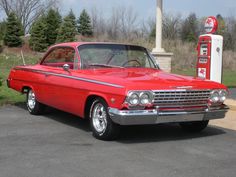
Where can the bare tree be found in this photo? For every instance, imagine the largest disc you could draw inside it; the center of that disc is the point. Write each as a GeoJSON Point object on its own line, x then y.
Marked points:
{"type": "Point", "coordinates": [98, 22]}
{"type": "Point", "coordinates": [171, 26]}
{"type": "Point", "coordinates": [147, 27]}
{"type": "Point", "coordinates": [128, 21]}
{"type": "Point", "coordinates": [113, 26]}
{"type": "Point", "coordinates": [27, 10]}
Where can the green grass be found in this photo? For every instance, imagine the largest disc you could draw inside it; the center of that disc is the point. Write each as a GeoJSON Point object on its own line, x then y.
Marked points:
{"type": "Point", "coordinates": [8, 61]}
{"type": "Point", "coordinates": [229, 77]}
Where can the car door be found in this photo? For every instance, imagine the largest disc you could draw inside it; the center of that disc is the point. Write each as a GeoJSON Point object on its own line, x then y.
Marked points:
{"type": "Point", "coordinates": [59, 87]}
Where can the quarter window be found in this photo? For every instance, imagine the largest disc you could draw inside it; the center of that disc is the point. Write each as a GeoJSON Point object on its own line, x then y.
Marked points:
{"type": "Point", "coordinates": [60, 56]}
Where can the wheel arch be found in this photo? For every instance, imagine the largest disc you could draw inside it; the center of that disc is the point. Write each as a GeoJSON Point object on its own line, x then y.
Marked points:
{"type": "Point", "coordinates": [89, 102]}
{"type": "Point", "coordinates": [25, 89]}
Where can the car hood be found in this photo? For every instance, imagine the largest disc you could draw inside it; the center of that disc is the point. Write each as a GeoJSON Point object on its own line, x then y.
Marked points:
{"type": "Point", "coordinates": [146, 79]}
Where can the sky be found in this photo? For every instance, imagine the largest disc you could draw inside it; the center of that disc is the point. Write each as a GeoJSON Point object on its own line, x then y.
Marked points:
{"type": "Point", "coordinates": [146, 8]}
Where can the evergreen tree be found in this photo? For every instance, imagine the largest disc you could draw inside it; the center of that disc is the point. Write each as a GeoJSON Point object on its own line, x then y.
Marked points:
{"type": "Point", "coordinates": [152, 35]}
{"type": "Point", "coordinates": [2, 29]}
{"type": "Point", "coordinates": [84, 24]}
{"type": "Point", "coordinates": [53, 21]}
{"type": "Point", "coordinates": [189, 31]}
{"type": "Point", "coordinates": [71, 15]}
{"type": "Point", "coordinates": [221, 25]}
{"type": "Point", "coordinates": [67, 30]}
{"type": "Point", "coordinates": [38, 40]}
{"type": "Point", "coordinates": [13, 31]}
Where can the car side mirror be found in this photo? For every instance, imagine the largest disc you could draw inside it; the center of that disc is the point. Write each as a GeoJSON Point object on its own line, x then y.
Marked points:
{"type": "Point", "coordinates": [66, 67]}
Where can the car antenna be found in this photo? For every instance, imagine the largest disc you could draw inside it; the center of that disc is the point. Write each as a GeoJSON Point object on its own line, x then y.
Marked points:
{"type": "Point", "coordinates": [22, 56]}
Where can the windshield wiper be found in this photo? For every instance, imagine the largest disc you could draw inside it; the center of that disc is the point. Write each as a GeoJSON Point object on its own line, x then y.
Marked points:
{"type": "Point", "coordinates": [105, 66]}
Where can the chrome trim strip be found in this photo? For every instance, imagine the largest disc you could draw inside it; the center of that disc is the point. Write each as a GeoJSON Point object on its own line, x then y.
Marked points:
{"type": "Point", "coordinates": [70, 77]}
{"type": "Point", "coordinates": [179, 90]}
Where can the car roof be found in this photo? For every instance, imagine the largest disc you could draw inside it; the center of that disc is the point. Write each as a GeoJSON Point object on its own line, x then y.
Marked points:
{"type": "Point", "coordinates": [76, 44]}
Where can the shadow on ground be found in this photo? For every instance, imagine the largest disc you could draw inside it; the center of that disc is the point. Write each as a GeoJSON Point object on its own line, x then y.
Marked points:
{"type": "Point", "coordinates": [134, 134]}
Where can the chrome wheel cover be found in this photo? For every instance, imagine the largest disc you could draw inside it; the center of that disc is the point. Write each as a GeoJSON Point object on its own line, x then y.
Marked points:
{"type": "Point", "coordinates": [99, 118]}
{"type": "Point", "coordinates": [31, 101]}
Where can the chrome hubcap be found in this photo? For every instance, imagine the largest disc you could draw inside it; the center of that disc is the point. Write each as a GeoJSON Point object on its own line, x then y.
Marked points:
{"type": "Point", "coordinates": [31, 99]}
{"type": "Point", "coordinates": [99, 118]}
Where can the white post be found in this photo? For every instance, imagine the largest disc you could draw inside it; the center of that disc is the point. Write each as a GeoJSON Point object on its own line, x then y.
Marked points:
{"type": "Point", "coordinates": [158, 48]}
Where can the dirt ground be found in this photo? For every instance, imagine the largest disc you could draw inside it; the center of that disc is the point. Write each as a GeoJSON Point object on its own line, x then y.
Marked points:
{"type": "Point", "coordinates": [229, 122]}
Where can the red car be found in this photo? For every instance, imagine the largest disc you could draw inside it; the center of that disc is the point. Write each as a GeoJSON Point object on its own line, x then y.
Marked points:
{"type": "Point", "coordinates": [114, 85]}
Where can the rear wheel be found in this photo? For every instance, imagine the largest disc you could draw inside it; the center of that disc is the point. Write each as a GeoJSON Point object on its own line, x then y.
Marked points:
{"type": "Point", "coordinates": [102, 126]}
{"type": "Point", "coordinates": [194, 126]}
{"type": "Point", "coordinates": [33, 106]}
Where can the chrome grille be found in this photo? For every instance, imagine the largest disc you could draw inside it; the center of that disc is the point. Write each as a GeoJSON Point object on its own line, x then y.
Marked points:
{"type": "Point", "coordinates": [181, 98]}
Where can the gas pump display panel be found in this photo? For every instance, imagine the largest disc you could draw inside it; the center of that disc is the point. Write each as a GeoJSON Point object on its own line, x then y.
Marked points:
{"type": "Point", "coordinates": [203, 50]}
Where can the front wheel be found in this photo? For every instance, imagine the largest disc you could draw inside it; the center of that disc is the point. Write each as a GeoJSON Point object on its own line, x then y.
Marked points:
{"type": "Point", "coordinates": [33, 106]}
{"type": "Point", "coordinates": [102, 126]}
{"type": "Point", "coordinates": [194, 126]}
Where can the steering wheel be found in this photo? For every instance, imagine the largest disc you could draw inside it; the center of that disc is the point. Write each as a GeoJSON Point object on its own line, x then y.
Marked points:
{"type": "Point", "coordinates": [129, 61]}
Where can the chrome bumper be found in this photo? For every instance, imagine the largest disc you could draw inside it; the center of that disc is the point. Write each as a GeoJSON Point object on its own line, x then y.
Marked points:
{"type": "Point", "coordinates": [141, 117]}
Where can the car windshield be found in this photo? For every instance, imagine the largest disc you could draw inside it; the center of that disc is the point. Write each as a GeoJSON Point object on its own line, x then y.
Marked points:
{"type": "Point", "coordinates": [114, 55]}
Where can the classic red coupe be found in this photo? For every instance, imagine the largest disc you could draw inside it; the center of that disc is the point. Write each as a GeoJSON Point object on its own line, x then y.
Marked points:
{"type": "Point", "coordinates": [114, 85]}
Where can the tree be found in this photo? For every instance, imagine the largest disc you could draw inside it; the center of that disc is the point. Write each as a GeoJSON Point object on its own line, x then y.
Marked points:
{"type": "Point", "coordinates": [152, 34]}
{"type": "Point", "coordinates": [27, 10]}
{"type": "Point", "coordinates": [2, 29]}
{"type": "Point", "coordinates": [98, 23]}
{"type": "Point", "coordinates": [53, 22]}
{"type": "Point", "coordinates": [128, 21]}
{"type": "Point", "coordinates": [221, 25]}
{"type": "Point", "coordinates": [71, 16]}
{"type": "Point", "coordinates": [38, 40]}
{"type": "Point", "coordinates": [189, 31]}
{"type": "Point", "coordinates": [67, 29]}
{"type": "Point", "coordinates": [171, 26]}
{"type": "Point", "coordinates": [13, 31]}
{"type": "Point", "coordinates": [84, 24]}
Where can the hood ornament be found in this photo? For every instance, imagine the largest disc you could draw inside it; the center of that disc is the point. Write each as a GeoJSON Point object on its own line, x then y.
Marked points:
{"type": "Point", "coordinates": [183, 87]}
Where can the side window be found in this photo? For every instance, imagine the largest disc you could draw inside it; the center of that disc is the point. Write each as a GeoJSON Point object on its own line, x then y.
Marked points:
{"type": "Point", "coordinates": [60, 56]}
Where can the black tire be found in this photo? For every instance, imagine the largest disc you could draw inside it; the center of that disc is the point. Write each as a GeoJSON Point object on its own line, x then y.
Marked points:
{"type": "Point", "coordinates": [194, 127]}
{"type": "Point", "coordinates": [33, 106]}
{"type": "Point", "coordinates": [102, 126]}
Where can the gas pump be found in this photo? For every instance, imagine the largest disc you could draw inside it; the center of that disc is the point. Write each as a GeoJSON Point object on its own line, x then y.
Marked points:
{"type": "Point", "coordinates": [210, 49]}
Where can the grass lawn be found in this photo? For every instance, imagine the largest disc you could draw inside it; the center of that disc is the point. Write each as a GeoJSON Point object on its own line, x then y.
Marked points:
{"type": "Point", "coordinates": [9, 96]}
{"type": "Point", "coordinates": [229, 77]}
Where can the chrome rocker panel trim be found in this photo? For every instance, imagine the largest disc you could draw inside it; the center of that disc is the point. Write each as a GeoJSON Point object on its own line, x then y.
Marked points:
{"type": "Point", "coordinates": [142, 117]}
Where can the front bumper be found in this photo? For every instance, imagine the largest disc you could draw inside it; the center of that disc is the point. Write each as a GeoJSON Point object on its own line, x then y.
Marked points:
{"type": "Point", "coordinates": [154, 116]}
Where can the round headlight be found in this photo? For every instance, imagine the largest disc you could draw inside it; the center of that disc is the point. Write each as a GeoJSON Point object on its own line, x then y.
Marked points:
{"type": "Point", "coordinates": [133, 99]}
{"type": "Point", "coordinates": [223, 95]}
{"type": "Point", "coordinates": [145, 98]}
{"type": "Point", "coordinates": [215, 97]}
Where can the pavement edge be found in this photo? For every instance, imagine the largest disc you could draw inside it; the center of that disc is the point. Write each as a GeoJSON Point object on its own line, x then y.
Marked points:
{"type": "Point", "coordinates": [231, 103]}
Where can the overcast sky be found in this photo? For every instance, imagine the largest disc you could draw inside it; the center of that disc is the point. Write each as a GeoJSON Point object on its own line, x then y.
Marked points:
{"type": "Point", "coordinates": [146, 8]}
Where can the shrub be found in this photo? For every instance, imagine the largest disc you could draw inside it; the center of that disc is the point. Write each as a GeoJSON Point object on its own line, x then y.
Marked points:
{"type": "Point", "coordinates": [0, 81]}
{"type": "Point", "coordinates": [1, 48]}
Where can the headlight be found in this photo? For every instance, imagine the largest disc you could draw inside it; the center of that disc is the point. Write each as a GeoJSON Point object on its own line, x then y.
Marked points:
{"type": "Point", "coordinates": [145, 98]}
{"type": "Point", "coordinates": [215, 97]}
{"type": "Point", "coordinates": [141, 98]}
{"type": "Point", "coordinates": [133, 99]}
{"type": "Point", "coordinates": [223, 95]}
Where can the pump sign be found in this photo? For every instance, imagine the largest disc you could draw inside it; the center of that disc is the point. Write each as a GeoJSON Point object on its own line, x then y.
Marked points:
{"type": "Point", "coordinates": [211, 25]}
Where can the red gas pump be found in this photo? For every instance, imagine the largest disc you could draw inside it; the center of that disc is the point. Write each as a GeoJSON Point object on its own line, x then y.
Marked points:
{"type": "Point", "coordinates": [210, 48]}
